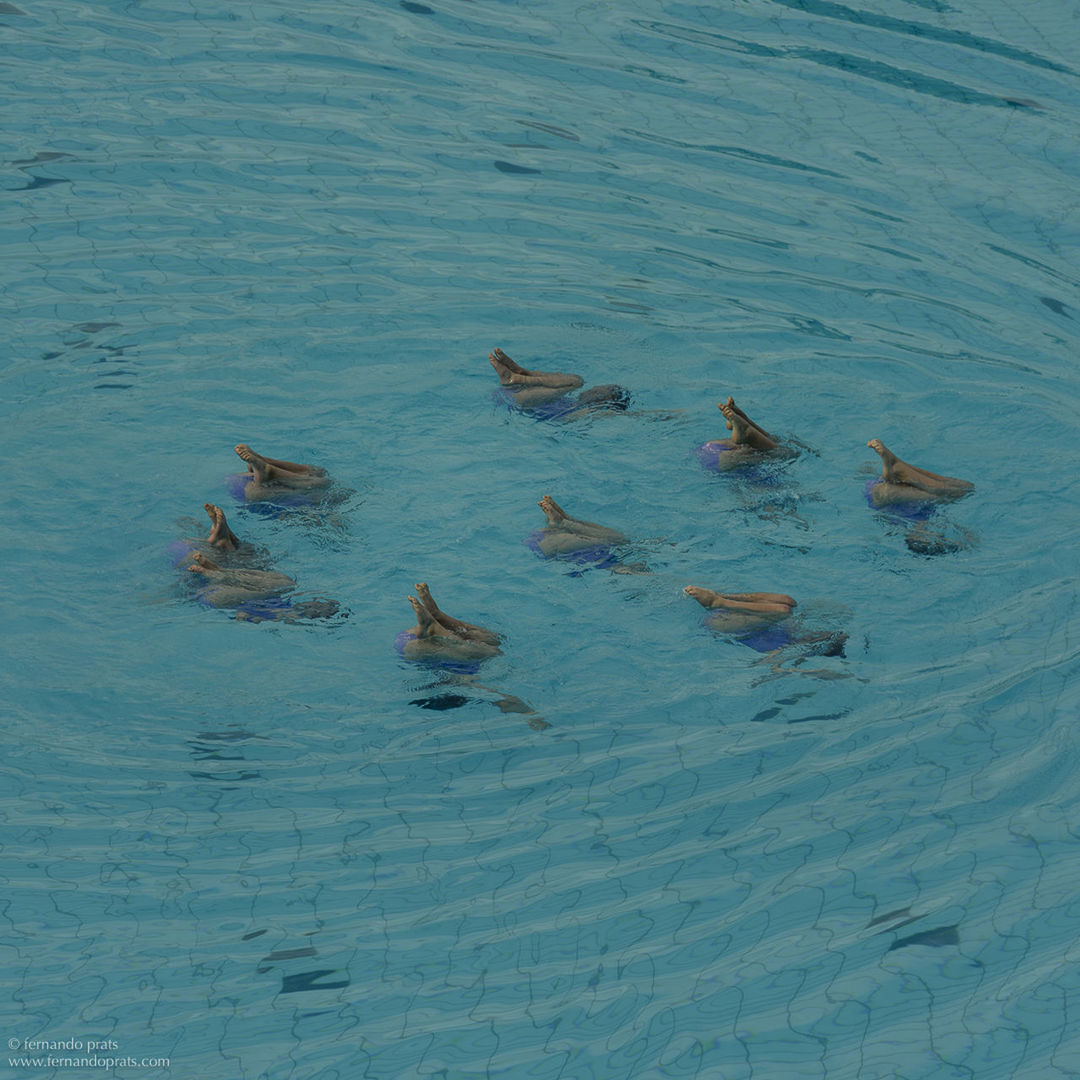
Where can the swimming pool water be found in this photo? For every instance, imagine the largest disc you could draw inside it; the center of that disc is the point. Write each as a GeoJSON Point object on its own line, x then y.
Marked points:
{"type": "Point", "coordinates": [280, 851]}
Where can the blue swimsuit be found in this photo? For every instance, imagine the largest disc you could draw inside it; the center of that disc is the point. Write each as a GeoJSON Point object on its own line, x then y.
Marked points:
{"type": "Point", "coordinates": [599, 556]}
{"type": "Point", "coordinates": [767, 638]}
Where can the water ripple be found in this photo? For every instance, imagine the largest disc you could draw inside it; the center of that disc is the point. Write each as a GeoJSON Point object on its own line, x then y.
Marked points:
{"type": "Point", "coordinates": [628, 846]}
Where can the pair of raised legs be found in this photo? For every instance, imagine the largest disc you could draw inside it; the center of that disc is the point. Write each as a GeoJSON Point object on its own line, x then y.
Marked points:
{"type": "Point", "coordinates": [736, 612]}
{"type": "Point", "coordinates": [432, 621]}
{"type": "Point", "coordinates": [256, 583]}
{"type": "Point", "coordinates": [269, 472]}
{"type": "Point", "coordinates": [744, 432]}
{"type": "Point", "coordinates": [532, 388]}
{"type": "Point", "coordinates": [565, 534]}
{"type": "Point", "coordinates": [904, 483]}
{"type": "Point", "coordinates": [256, 594]}
{"type": "Point", "coordinates": [438, 636]}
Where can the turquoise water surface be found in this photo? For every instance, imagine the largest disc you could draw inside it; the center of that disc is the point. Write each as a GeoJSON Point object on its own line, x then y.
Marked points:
{"type": "Point", "coordinates": [627, 846]}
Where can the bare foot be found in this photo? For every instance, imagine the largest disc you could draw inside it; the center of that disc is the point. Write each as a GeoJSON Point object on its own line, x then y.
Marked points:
{"type": "Point", "coordinates": [502, 363]}
{"type": "Point", "coordinates": [426, 626]}
{"type": "Point", "coordinates": [200, 564]}
{"type": "Point", "coordinates": [555, 514]}
{"type": "Point", "coordinates": [744, 432]}
{"type": "Point", "coordinates": [730, 404]}
{"type": "Point", "coordinates": [221, 536]}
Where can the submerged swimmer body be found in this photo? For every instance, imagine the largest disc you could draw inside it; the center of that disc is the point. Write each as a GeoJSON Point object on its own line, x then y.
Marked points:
{"type": "Point", "coordinates": [747, 441]}
{"type": "Point", "coordinates": [565, 534]}
{"type": "Point", "coordinates": [761, 621]}
{"type": "Point", "coordinates": [914, 494]}
{"type": "Point", "coordinates": [257, 595]}
{"type": "Point", "coordinates": [228, 585]}
{"type": "Point", "coordinates": [458, 648]}
{"type": "Point", "coordinates": [547, 392]}
{"type": "Point", "coordinates": [270, 478]}
{"type": "Point", "coordinates": [568, 538]}
{"type": "Point", "coordinates": [442, 640]}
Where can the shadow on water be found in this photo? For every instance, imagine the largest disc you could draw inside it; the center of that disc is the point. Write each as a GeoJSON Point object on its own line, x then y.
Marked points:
{"type": "Point", "coordinates": [223, 746]}
{"type": "Point", "coordinates": [935, 939]}
{"type": "Point", "coordinates": [448, 699]}
{"type": "Point", "coordinates": [778, 710]}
